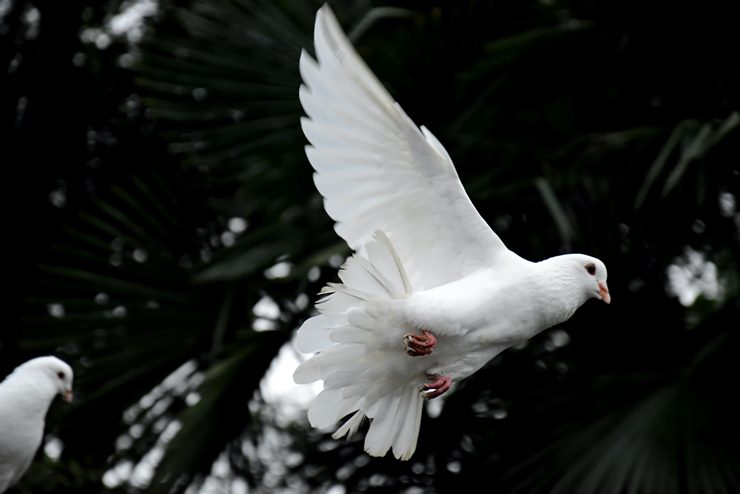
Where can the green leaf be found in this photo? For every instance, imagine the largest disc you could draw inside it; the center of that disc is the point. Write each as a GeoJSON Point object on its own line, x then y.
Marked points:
{"type": "Point", "coordinates": [224, 394]}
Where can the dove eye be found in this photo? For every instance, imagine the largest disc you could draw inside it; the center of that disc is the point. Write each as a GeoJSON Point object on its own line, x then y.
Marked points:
{"type": "Point", "coordinates": [60, 375]}
{"type": "Point", "coordinates": [591, 269]}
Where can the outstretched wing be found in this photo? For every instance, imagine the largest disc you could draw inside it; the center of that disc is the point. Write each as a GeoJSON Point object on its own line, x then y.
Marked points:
{"type": "Point", "coordinates": [378, 171]}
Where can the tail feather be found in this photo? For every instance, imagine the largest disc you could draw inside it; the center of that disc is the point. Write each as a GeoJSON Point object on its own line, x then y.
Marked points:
{"type": "Point", "coordinates": [346, 380]}
{"type": "Point", "coordinates": [405, 442]}
{"type": "Point", "coordinates": [350, 334]}
{"type": "Point", "coordinates": [396, 425]}
{"type": "Point", "coordinates": [360, 373]}
{"type": "Point", "coordinates": [379, 439]}
{"type": "Point", "coordinates": [315, 334]}
{"type": "Point", "coordinates": [362, 320]}
{"type": "Point", "coordinates": [336, 302]}
{"type": "Point", "coordinates": [350, 427]}
{"type": "Point", "coordinates": [324, 408]}
{"type": "Point", "coordinates": [327, 362]}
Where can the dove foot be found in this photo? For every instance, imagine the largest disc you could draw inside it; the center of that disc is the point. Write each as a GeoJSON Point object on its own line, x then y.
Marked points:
{"type": "Point", "coordinates": [418, 346]}
{"type": "Point", "coordinates": [436, 386]}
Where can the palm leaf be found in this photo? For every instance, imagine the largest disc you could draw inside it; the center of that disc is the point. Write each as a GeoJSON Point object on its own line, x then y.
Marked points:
{"type": "Point", "coordinates": [200, 439]}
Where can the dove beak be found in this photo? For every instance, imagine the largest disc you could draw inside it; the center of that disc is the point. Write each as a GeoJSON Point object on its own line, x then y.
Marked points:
{"type": "Point", "coordinates": [604, 292]}
{"type": "Point", "coordinates": [68, 396]}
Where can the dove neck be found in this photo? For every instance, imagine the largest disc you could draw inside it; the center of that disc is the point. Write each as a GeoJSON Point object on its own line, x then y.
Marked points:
{"type": "Point", "coordinates": [32, 392]}
{"type": "Point", "coordinates": [561, 293]}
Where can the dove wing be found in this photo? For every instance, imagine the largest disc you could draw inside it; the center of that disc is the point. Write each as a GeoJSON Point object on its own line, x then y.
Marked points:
{"type": "Point", "coordinates": [378, 171]}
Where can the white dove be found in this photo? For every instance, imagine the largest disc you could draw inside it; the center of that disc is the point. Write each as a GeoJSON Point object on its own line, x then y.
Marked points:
{"type": "Point", "coordinates": [25, 396]}
{"type": "Point", "coordinates": [431, 293]}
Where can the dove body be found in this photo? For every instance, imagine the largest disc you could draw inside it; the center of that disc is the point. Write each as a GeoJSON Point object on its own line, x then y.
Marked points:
{"type": "Point", "coordinates": [25, 397]}
{"type": "Point", "coordinates": [431, 293]}
{"type": "Point", "coordinates": [477, 317]}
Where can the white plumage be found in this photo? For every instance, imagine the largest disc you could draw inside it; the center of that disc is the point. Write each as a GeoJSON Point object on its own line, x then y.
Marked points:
{"type": "Point", "coordinates": [25, 397]}
{"type": "Point", "coordinates": [426, 263]}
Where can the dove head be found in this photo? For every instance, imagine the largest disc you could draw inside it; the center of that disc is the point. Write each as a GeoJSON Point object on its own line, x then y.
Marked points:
{"type": "Point", "coordinates": [55, 373]}
{"type": "Point", "coordinates": [590, 274]}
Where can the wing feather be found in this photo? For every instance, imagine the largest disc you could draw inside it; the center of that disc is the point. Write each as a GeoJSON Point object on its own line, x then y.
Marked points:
{"type": "Point", "coordinates": [378, 171]}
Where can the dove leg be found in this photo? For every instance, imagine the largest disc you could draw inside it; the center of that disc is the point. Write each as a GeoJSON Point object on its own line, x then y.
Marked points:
{"type": "Point", "coordinates": [419, 345]}
{"type": "Point", "coordinates": [436, 385]}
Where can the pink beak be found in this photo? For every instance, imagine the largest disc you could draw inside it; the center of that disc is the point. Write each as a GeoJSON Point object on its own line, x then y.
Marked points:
{"type": "Point", "coordinates": [604, 292]}
{"type": "Point", "coordinates": [68, 396]}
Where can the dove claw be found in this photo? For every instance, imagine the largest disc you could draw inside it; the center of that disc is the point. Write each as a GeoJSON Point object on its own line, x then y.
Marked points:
{"type": "Point", "coordinates": [418, 346]}
{"type": "Point", "coordinates": [437, 386]}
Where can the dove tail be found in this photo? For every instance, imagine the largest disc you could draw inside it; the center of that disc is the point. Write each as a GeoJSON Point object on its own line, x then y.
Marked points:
{"type": "Point", "coordinates": [355, 360]}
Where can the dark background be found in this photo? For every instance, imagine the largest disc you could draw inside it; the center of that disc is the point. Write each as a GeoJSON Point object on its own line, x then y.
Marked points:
{"type": "Point", "coordinates": [601, 127]}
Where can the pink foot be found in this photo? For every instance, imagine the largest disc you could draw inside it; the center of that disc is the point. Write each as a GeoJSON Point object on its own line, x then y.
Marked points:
{"type": "Point", "coordinates": [418, 346]}
{"type": "Point", "coordinates": [436, 386]}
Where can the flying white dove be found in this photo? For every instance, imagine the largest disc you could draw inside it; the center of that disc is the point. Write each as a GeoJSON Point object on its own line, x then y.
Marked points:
{"type": "Point", "coordinates": [25, 396]}
{"type": "Point", "coordinates": [431, 293]}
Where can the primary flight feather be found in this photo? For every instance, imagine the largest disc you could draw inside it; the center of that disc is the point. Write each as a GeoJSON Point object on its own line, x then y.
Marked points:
{"type": "Point", "coordinates": [431, 293]}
